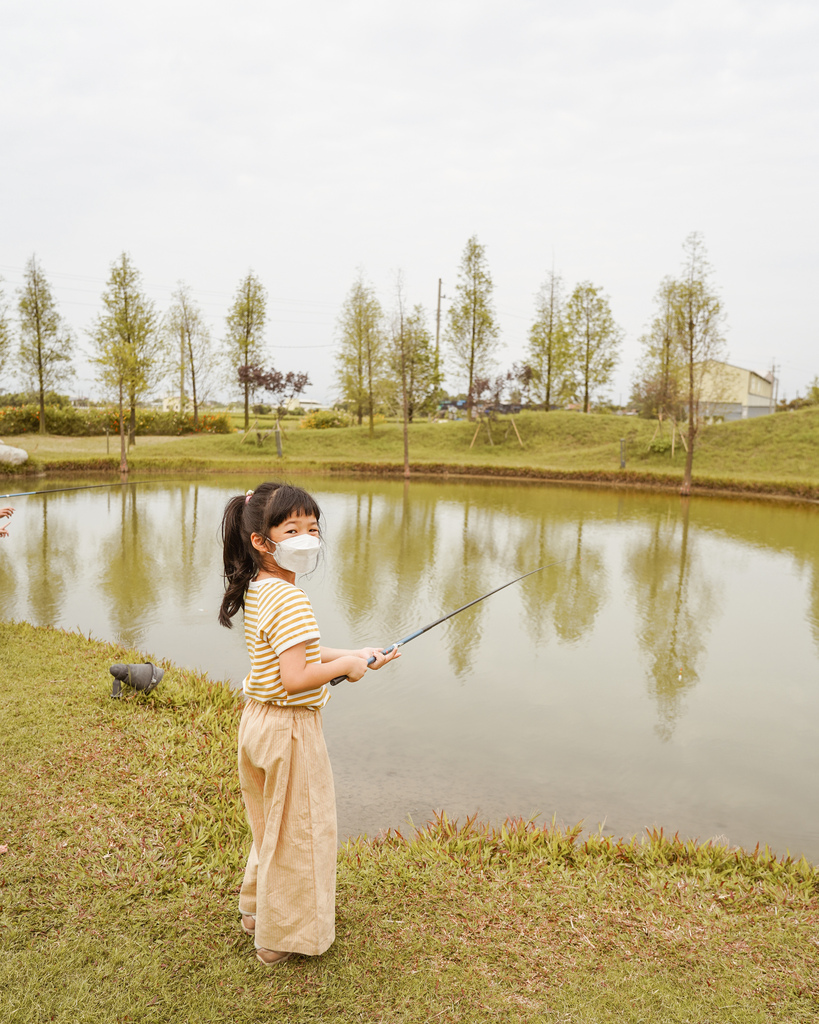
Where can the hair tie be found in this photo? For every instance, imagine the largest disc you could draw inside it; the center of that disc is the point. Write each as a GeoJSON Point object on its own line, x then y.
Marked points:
{"type": "Point", "coordinates": [248, 496]}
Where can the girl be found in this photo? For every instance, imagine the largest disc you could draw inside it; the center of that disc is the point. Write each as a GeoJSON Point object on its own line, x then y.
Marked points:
{"type": "Point", "coordinates": [287, 900]}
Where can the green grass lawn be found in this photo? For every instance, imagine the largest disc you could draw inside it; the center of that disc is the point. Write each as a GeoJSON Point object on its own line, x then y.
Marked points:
{"type": "Point", "coordinates": [777, 454]}
{"type": "Point", "coordinates": [121, 847]}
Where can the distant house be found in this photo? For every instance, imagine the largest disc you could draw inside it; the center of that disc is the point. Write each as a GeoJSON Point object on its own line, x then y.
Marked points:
{"type": "Point", "coordinates": [732, 393]}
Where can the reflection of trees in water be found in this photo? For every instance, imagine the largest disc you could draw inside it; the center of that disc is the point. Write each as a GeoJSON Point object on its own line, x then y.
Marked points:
{"type": "Point", "coordinates": [813, 610]}
{"type": "Point", "coordinates": [9, 602]}
{"type": "Point", "coordinates": [129, 568]}
{"type": "Point", "coordinates": [464, 575]}
{"type": "Point", "coordinates": [565, 597]}
{"type": "Point", "coordinates": [187, 557]}
{"type": "Point", "coordinates": [50, 562]}
{"type": "Point", "coordinates": [405, 559]}
{"type": "Point", "coordinates": [383, 559]}
{"type": "Point", "coordinates": [675, 605]}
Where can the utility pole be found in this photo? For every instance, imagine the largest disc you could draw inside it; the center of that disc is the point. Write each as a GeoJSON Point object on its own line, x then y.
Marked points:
{"type": "Point", "coordinates": [774, 384]}
{"type": "Point", "coordinates": [438, 326]}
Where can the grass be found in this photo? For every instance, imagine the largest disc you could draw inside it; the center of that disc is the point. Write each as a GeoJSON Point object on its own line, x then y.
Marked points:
{"type": "Point", "coordinates": [770, 455]}
{"type": "Point", "coordinates": [122, 845]}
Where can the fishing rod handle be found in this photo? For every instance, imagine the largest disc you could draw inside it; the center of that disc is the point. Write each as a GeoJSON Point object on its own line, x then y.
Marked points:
{"type": "Point", "coordinates": [370, 660]}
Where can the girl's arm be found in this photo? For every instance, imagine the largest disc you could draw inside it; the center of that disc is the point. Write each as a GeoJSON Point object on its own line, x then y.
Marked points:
{"type": "Point", "coordinates": [297, 676]}
{"type": "Point", "coordinates": [331, 653]}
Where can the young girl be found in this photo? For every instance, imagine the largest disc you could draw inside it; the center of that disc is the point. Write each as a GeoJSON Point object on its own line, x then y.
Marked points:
{"type": "Point", "coordinates": [287, 900]}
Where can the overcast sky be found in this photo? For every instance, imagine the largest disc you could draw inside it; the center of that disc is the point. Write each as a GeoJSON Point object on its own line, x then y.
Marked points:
{"type": "Point", "coordinates": [307, 140]}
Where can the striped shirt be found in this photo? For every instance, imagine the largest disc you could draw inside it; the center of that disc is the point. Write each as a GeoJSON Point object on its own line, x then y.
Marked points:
{"type": "Point", "coordinates": [277, 617]}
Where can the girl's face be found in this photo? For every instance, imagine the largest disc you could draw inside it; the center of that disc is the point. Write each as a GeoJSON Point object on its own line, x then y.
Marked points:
{"type": "Point", "coordinates": [293, 526]}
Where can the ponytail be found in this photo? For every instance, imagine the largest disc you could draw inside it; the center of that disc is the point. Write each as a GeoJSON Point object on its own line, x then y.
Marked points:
{"type": "Point", "coordinates": [268, 506]}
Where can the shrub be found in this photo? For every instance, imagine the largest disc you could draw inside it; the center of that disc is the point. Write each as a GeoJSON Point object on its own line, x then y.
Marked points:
{"type": "Point", "coordinates": [32, 398]}
{"type": "Point", "coordinates": [323, 418]}
{"type": "Point", "coordinates": [88, 422]}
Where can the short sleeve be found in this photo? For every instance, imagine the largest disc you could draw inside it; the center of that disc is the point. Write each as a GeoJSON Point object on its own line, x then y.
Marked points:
{"type": "Point", "coordinates": [286, 619]}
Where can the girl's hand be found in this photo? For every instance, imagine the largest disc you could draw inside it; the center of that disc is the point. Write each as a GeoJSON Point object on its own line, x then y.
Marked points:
{"type": "Point", "coordinates": [357, 666]}
{"type": "Point", "coordinates": [3, 531]}
{"type": "Point", "coordinates": [6, 513]}
{"type": "Point", "coordinates": [381, 659]}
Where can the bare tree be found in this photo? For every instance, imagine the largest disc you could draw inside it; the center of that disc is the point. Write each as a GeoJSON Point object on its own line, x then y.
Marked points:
{"type": "Point", "coordinates": [45, 343]}
{"type": "Point", "coordinates": [5, 332]}
{"type": "Point", "coordinates": [189, 341]}
{"type": "Point", "coordinates": [699, 319]}
{"type": "Point", "coordinates": [656, 387]}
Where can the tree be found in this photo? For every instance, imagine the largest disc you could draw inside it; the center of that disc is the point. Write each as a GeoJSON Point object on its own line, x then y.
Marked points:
{"type": "Point", "coordinates": [45, 343]}
{"type": "Point", "coordinates": [189, 341]}
{"type": "Point", "coordinates": [594, 338]}
{"type": "Point", "coordinates": [360, 362]}
{"type": "Point", "coordinates": [656, 386]}
{"type": "Point", "coordinates": [699, 317]}
{"type": "Point", "coordinates": [126, 339]}
{"type": "Point", "coordinates": [472, 332]}
{"type": "Point", "coordinates": [281, 386]}
{"type": "Point", "coordinates": [245, 330]}
{"type": "Point", "coordinates": [5, 331]}
{"type": "Point", "coordinates": [549, 350]}
{"type": "Point", "coordinates": [411, 340]}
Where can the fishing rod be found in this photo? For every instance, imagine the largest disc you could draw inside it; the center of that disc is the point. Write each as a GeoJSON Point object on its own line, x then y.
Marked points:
{"type": "Point", "coordinates": [443, 618]}
{"type": "Point", "coordinates": [82, 487]}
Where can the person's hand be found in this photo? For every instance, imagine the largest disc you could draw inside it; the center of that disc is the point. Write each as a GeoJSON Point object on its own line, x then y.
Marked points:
{"type": "Point", "coordinates": [381, 659]}
{"type": "Point", "coordinates": [3, 531]}
{"type": "Point", "coordinates": [357, 666]}
{"type": "Point", "coordinates": [6, 513]}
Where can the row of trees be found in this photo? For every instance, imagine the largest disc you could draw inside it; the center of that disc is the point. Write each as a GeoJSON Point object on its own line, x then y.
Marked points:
{"type": "Point", "coordinates": [388, 358]}
{"type": "Point", "coordinates": [135, 348]}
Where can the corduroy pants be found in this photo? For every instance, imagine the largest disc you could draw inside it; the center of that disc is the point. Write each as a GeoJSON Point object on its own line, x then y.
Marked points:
{"type": "Point", "coordinates": [287, 787]}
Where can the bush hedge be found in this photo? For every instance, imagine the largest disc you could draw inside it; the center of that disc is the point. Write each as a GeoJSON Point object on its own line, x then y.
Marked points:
{"type": "Point", "coordinates": [321, 419]}
{"type": "Point", "coordinates": [86, 422]}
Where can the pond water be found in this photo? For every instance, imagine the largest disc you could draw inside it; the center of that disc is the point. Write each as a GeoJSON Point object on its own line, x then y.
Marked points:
{"type": "Point", "coordinates": [666, 673]}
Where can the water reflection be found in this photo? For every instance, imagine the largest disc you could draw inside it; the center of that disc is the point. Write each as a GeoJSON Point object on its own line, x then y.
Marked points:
{"type": "Point", "coordinates": [676, 607]}
{"type": "Point", "coordinates": [50, 562]}
{"type": "Point", "coordinates": [569, 595]}
{"type": "Point", "coordinates": [488, 711]}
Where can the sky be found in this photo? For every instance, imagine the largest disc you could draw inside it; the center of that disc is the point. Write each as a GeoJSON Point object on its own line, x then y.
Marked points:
{"type": "Point", "coordinates": [311, 141]}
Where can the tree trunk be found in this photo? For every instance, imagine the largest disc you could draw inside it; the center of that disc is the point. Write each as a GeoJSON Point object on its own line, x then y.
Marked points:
{"type": "Point", "coordinates": [132, 425]}
{"type": "Point", "coordinates": [123, 457]}
{"type": "Point", "coordinates": [42, 412]}
{"type": "Point", "coordinates": [685, 490]}
{"type": "Point", "coordinates": [195, 403]}
{"type": "Point", "coordinates": [247, 407]}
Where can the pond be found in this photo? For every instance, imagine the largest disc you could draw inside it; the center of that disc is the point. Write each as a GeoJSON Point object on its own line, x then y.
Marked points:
{"type": "Point", "coordinates": [664, 673]}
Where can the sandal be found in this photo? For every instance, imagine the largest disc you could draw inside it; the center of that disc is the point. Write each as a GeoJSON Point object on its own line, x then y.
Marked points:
{"type": "Point", "coordinates": [248, 929]}
{"type": "Point", "coordinates": [271, 957]}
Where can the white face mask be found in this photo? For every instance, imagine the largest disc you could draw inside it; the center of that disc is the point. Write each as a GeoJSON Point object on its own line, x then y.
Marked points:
{"type": "Point", "coordinates": [297, 554]}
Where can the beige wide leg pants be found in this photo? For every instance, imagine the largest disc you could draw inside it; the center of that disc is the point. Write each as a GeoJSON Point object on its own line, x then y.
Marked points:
{"type": "Point", "coordinates": [287, 786]}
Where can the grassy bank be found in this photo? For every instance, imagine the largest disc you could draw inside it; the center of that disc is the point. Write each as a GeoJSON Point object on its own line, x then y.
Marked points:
{"type": "Point", "coordinates": [122, 843]}
{"type": "Point", "coordinates": [776, 455]}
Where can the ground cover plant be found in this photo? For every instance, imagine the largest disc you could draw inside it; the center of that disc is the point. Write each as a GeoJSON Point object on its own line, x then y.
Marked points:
{"type": "Point", "coordinates": [122, 845]}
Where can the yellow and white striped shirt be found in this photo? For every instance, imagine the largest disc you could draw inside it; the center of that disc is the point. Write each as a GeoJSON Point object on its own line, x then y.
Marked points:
{"type": "Point", "coordinates": [277, 617]}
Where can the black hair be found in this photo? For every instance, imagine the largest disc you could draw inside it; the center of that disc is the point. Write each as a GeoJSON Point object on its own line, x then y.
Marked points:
{"type": "Point", "coordinates": [268, 506]}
